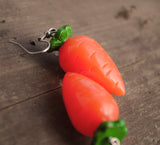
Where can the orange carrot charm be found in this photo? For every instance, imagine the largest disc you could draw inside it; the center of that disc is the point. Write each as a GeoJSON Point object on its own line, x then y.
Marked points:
{"type": "Point", "coordinates": [84, 55]}
{"type": "Point", "coordinates": [88, 104]}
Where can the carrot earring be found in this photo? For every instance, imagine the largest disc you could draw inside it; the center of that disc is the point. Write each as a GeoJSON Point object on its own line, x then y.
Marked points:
{"type": "Point", "coordinates": [91, 77]}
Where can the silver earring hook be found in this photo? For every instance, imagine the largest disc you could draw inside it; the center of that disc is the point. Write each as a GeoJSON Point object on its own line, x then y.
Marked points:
{"type": "Point", "coordinates": [47, 34]}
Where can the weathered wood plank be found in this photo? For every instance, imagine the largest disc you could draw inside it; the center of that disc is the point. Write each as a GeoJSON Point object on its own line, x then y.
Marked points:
{"type": "Point", "coordinates": [31, 112]}
{"type": "Point", "coordinates": [119, 37]}
{"type": "Point", "coordinates": [43, 119]}
{"type": "Point", "coordinates": [40, 121]}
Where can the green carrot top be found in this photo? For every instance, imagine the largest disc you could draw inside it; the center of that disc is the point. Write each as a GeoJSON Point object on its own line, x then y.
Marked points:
{"type": "Point", "coordinates": [60, 37]}
{"type": "Point", "coordinates": [108, 131]}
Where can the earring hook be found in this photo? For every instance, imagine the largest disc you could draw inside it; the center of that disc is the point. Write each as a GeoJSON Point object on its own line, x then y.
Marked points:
{"type": "Point", "coordinates": [47, 34]}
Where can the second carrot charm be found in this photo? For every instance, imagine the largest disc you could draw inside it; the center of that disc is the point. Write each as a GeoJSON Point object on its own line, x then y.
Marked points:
{"type": "Point", "coordinates": [88, 104]}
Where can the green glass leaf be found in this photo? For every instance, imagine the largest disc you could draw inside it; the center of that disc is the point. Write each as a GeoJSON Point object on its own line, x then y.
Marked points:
{"type": "Point", "coordinates": [63, 33]}
{"type": "Point", "coordinates": [60, 37]}
{"type": "Point", "coordinates": [108, 130]}
{"type": "Point", "coordinates": [55, 44]}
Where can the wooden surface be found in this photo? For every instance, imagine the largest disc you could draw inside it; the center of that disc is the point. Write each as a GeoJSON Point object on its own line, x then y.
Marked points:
{"type": "Point", "coordinates": [31, 106]}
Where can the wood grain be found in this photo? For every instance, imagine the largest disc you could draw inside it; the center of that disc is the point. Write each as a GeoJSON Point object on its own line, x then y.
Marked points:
{"type": "Point", "coordinates": [31, 105]}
